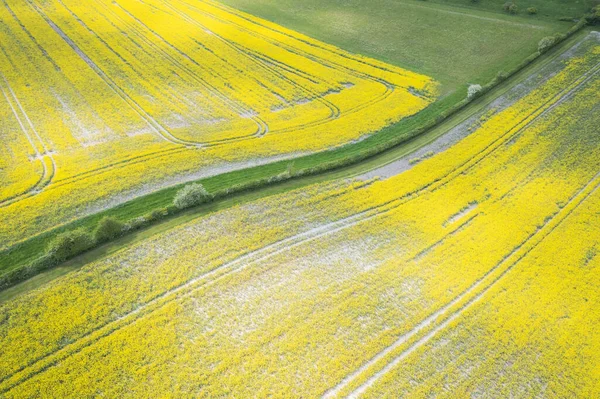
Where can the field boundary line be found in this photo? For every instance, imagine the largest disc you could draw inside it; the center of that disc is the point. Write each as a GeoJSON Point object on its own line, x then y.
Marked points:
{"type": "Point", "coordinates": [300, 37]}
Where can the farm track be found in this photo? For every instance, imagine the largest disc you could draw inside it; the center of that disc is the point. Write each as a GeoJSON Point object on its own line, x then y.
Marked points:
{"type": "Point", "coordinates": [441, 318]}
{"type": "Point", "coordinates": [40, 364]}
{"type": "Point", "coordinates": [42, 153]}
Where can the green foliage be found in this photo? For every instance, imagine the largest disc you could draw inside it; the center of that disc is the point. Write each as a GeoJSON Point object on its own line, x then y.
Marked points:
{"type": "Point", "coordinates": [532, 11]}
{"type": "Point", "coordinates": [473, 91]}
{"type": "Point", "coordinates": [70, 244]}
{"type": "Point", "coordinates": [511, 7]}
{"type": "Point", "coordinates": [157, 214]}
{"type": "Point", "coordinates": [593, 18]}
{"type": "Point", "coordinates": [108, 229]}
{"type": "Point", "coordinates": [546, 43]}
{"type": "Point", "coordinates": [501, 76]}
{"type": "Point", "coordinates": [191, 195]}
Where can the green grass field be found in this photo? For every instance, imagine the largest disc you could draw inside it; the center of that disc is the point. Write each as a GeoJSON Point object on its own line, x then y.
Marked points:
{"type": "Point", "coordinates": [455, 45]}
{"type": "Point", "coordinates": [551, 9]}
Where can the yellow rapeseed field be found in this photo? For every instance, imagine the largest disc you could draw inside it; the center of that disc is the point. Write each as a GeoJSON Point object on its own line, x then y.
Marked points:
{"type": "Point", "coordinates": [106, 99]}
{"type": "Point", "coordinates": [476, 272]}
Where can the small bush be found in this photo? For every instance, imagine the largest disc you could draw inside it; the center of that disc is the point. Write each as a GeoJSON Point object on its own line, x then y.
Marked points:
{"type": "Point", "coordinates": [546, 43]}
{"type": "Point", "coordinates": [69, 244]}
{"type": "Point", "coordinates": [135, 223]}
{"type": "Point", "coordinates": [108, 229]}
{"type": "Point", "coordinates": [501, 76]}
{"type": "Point", "coordinates": [473, 91]}
{"type": "Point", "coordinates": [510, 7]}
{"type": "Point", "coordinates": [191, 195]}
{"type": "Point", "coordinates": [593, 17]}
{"type": "Point", "coordinates": [157, 214]}
{"type": "Point", "coordinates": [532, 11]}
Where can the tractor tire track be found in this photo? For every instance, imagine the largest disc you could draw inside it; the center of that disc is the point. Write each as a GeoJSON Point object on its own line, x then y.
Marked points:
{"type": "Point", "coordinates": [190, 287]}
{"type": "Point", "coordinates": [262, 126]}
{"type": "Point", "coordinates": [156, 127]}
{"type": "Point", "coordinates": [45, 156]}
{"type": "Point", "coordinates": [441, 318]}
{"type": "Point", "coordinates": [153, 123]}
{"type": "Point", "coordinates": [256, 60]}
{"type": "Point", "coordinates": [389, 88]}
{"type": "Point", "coordinates": [173, 94]}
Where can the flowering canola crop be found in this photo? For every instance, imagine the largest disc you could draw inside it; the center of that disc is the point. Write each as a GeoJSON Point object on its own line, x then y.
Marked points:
{"type": "Point", "coordinates": [102, 100]}
{"type": "Point", "coordinates": [476, 272]}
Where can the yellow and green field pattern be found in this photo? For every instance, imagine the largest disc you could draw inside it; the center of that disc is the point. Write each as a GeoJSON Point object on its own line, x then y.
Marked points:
{"type": "Point", "coordinates": [475, 273]}
{"type": "Point", "coordinates": [104, 99]}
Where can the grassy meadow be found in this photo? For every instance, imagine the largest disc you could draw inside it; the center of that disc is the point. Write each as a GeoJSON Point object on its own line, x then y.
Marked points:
{"type": "Point", "coordinates": [455, 45]}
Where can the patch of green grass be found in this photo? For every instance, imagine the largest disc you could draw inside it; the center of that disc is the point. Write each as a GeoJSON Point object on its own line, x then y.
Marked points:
{"type": "Point", "coordinates": [551, 9]}
{"type": "Point", "coordinates": [455, 45]}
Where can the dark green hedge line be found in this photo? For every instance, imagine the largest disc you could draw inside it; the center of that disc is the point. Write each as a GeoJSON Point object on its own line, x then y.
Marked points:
{"type": "Point", "coordinates": [325, 161]}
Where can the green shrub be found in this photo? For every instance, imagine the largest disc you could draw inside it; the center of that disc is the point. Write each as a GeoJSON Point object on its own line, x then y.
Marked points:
{"type": "Point", "coordinates": [69, 244]}
{"type": "Point", "coordinates": [510, 7]}
{"type": "Point", "coordinates": [157, 214]}
{"type": "Point", "coordinates": [191, 195]}
{"type": "Point", "coordinates": [532, 10]}
{"type": "Point", "coordinates": [500, 76]}
{"type": "Point", "coordinates": [546, 43]}
{"type": "Point", "coordinates": [108, 229]}
{"type": "Point", "coordinates": [473, 91]}
{"type": "Point", "coordinates": [593, 17]}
